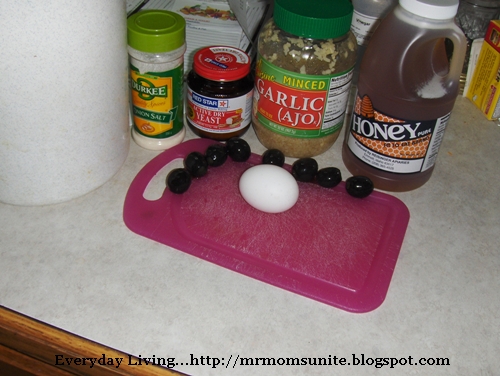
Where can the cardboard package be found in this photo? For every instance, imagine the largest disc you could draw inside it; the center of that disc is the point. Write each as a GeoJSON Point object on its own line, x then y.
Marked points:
{"type": "Point", "coordinates": [233, 23]}
{"type": "Point", "coordinates": [484, 88]}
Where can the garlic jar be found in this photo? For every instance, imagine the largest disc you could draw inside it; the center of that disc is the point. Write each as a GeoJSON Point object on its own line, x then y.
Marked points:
{"type": "Point", "coordinates": [306, 56]}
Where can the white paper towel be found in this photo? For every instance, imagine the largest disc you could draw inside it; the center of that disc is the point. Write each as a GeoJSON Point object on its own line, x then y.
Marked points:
{"type": "Point", "coordinates": [64, 128]}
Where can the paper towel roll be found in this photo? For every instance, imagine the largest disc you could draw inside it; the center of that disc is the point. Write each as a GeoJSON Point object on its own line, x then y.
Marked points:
{"type": "Point", "coordinates": [64, 128]}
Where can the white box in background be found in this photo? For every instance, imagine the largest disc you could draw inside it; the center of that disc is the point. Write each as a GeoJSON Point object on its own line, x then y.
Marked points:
{"type": "Point", "coordinates": [232, 23]}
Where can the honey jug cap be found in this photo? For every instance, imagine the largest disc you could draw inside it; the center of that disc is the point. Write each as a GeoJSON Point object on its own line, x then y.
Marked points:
{"type": "Point", "coordinates": [432, 9]}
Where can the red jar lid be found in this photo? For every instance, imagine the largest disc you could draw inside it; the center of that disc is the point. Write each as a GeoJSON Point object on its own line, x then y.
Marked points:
{"type": "Point", "coordinates": [221, 63]}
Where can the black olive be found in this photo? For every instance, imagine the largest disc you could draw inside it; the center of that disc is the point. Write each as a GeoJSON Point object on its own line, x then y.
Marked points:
{"type": "Point", "coordinates": [305, 169]}
{"type": "Point", "coordinates": [178, 180]}
{"type": "Point", "coordinates": [238, 149]}
{"type": "Point", "coordinates": [329, 177]}
{"type": "Point", "coordinates": [196, 164]}
{"type": "Point", "coordinates": [274, 157]}
{"type": "Point", "coordinates": [216, 155]}
{"type": "Point", "coordinates": [359, 186]}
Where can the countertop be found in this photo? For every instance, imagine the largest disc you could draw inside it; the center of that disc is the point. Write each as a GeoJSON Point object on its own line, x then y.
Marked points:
{"type": "Point", "coordinates": [77, 266]}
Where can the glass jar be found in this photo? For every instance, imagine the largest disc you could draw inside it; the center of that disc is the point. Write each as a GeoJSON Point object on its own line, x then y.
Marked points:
{"type": "Point", "coordinates": [474, 17]}
{"type": "Point", "coordinates": [306, 56]}
{"type": "Point", "coordinates": [219, 93]}
{"type": "Point", "coordinates": [156, 46]}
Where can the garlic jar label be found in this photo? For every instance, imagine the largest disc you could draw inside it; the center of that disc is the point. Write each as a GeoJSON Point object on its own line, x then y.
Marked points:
{"type": "Point", "coordinates": [394, 145]}
{"type": "Point", "coordinates": [300, 105]}
{"type": "Point", "coordinates": [155, 104]}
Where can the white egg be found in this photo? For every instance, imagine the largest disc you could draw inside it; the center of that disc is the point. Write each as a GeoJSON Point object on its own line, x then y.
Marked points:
{"type": "Point", "coordinates": [269, 188]}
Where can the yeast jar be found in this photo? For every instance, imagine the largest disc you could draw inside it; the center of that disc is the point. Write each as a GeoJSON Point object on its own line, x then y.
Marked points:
{"type": "Point", "coordinates": [306, 56]}
{"type": "Point", "coordinates": [219, 93]}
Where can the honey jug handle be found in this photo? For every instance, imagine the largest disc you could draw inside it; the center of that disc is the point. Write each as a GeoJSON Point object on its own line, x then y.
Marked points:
{"type": "Point", "coordinates": [459, 42]}
{"type": "Point", "coordinates": [440, 53]}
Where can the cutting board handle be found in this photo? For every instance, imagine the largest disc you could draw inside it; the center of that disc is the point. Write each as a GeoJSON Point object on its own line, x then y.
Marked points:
{"type": "Point", "coordinates": [136, 206]}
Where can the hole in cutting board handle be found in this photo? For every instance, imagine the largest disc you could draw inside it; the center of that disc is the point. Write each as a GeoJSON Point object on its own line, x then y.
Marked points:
{"type": "Point", "coordinates": [157, 184]}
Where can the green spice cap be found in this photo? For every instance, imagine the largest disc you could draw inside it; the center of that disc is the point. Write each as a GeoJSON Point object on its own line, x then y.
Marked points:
{"type": "Point", "coordinates": [156, 31]}
{"type": "Point", "coordinates": [317, 19]}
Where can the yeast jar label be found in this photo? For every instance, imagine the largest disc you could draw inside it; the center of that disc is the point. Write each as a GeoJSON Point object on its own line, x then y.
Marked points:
{"type": "Point", "coordinates": [218, 115]}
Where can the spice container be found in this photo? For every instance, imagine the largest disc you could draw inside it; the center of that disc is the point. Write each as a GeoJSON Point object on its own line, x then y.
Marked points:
{"type": "Point", "coordinates": [219, 93]}
{"type": "Point", "coordinates": [306, 55]}
{"type": "Point", "coordinates": [156, 46]}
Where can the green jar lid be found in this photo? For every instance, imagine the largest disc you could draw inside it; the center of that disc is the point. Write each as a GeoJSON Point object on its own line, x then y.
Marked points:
{"type": "Point", "coordinates": [317, 19]}
{"type": "Point", "coordinates": [156, 31]}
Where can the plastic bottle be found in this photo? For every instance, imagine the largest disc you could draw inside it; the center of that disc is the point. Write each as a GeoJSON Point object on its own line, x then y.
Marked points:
{"type": "Point", "coordinates": [306, 57]}
{"type": "Point", "coordinates": [408, 84]}
{"type": "Point", "coordinates": [219, 93]}
{"type": "Point", "coordinates": [156, 46]}
{"type": "Point", "coordinates": [365, 20]}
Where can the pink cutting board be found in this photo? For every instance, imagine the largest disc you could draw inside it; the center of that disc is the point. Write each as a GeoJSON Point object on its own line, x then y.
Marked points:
{"type": "Point", "coordinates": [330, 247]}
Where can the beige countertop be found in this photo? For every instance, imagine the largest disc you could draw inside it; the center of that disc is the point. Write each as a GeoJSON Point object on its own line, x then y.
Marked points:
{"type": "Point", "coordinates": [76, 266]}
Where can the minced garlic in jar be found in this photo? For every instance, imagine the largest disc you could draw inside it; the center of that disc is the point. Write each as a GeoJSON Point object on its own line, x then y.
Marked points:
{"type": "Point", "coordinates": [303, 76]}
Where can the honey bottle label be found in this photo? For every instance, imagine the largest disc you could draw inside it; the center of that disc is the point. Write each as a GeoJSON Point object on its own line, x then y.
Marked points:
{"type": "Point", "coordinates": [394, 145]}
